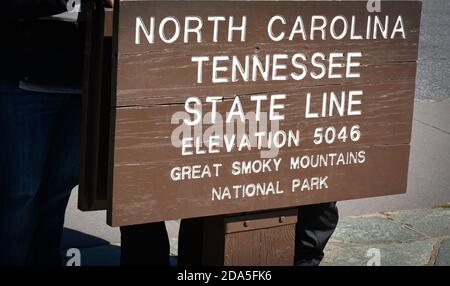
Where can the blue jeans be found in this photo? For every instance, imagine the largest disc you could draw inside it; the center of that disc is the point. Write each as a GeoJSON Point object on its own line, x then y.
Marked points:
{"type": "Point", "coordinates": [39, 166]}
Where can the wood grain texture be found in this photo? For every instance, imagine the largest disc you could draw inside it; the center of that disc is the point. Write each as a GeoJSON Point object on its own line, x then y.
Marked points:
{"type": "Point", "coordinates": [170, 65]}
{"type": "Point", "coordinates": [96, 108]}
{"type": "Point", "coordinates": [221, 241]}
{"type": "Point", "coordinates": [143, 134]}
{"type": "Point", "coordinates": [146, 193]}
{"type": "Point", "coordinates": [153, 82]}
{"type": "Point", "coordinates": [263, 247]}
{"type": "Point", "coordinates": [267, 219]}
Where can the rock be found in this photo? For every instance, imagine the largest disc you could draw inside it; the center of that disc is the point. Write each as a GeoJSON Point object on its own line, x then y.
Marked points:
{"type": "Point", "coordinates": [373, 230]}
{"type": "Point", "coordinates": [416, 253]}
{"type": "Point", "coordinates": [443, 257]}
{"type": "Point", "coordinates": [432, 222]}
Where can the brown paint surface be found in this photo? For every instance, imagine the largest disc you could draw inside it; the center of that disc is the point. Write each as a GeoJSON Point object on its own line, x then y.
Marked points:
{"type": "Point", "coordinates": [153, 82]}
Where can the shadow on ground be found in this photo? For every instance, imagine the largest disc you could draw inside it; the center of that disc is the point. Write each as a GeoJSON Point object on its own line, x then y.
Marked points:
{"type": "Point", "coordinates": [81, 249]}
{"type": "Point", "coordinates": [87, 250]}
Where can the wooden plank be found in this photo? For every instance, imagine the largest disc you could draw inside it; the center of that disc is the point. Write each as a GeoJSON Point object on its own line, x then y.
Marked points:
{"type": "Point", "coordinates": [90, 122]}
{"type": "Point", "coordinates": [96, 108]}
{"type": "Point", "coordinates": [108, 26]}
{"type": "Point", "coordinates": [384, 173]}
{"type": "Point", "coordinates": [268, 219]}
{"type": "Point", "coordinates": [213, 241]}
{"type": "Point", "coordinates": [263, 247]}
{"type": "Point", "coordinates": [166, 70]}
{"type": "Point", "coordinates": [143, 134]}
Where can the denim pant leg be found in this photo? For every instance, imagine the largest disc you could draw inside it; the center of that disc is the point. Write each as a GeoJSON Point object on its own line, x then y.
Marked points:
{"type": "Point", "coordinates": [25, 125]}
{"type": "Point", "coordinates": [28, 124]}
{"type": "Point", "coordinates": [61, 175]}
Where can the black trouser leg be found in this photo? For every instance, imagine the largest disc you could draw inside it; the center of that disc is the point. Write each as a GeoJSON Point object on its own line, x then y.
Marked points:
{"type": "Point", "coordinates": [316, 224]}
{"type": "Point", "coordinates": [190, 242]}
{"type": "Point", "coordinates": [145, 245]}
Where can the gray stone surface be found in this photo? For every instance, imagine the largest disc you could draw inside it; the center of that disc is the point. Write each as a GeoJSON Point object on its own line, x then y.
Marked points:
{"type": "Point", "coordinates": [431, 222]}
{"type": "Point", "coordinates": [406, 238]}
{"type": "Point", "coordinates": [373, 230]}
{"type": "Point", "coordinates": [416, 253]}
{"type": "Point", "coordinates": [434, 51]}
{"type": "Point", "coordinates": [443, 258]}
{"type": "Point", "coordinates": [344, 254]}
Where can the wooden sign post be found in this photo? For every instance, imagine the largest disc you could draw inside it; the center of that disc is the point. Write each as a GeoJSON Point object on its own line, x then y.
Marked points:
{"type": "Point", "coordinates": [226, 107]}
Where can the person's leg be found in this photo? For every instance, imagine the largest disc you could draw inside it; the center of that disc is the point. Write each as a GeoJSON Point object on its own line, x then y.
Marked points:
{"type": "Point", "coordinates": [61, 175]}
{"type": "Point", "coordinates": [316, 224]}
{"type": "Point", "coordinates": [190, 242]}
{"type": "Point", "coordinates": [145, 245]}
{"type": "Point", "coordinates": [26, 120]}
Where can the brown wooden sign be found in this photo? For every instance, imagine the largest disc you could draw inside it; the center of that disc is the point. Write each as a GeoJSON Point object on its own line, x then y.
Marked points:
{"type": "Point", "coordinates": [235, 106]}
